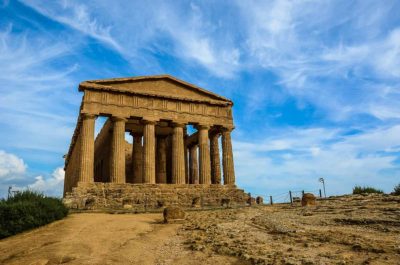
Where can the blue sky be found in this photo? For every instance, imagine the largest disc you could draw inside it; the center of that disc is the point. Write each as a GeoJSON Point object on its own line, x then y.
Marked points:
{"type": "Point", "coordinates": [316, 84]}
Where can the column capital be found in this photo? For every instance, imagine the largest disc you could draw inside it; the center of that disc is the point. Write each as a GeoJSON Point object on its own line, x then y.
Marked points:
{"type": "Point", "coordinates": [215, 132]}
{"type": "Point", "coordinates": [193, 146]}
{"type": "Point", "coordinates": [144, 121]}
{"type": "Point", "coordinates": [202, 126]}
{"type": "Point", "coordinates": [178, 124]}
{"type": "Point", "coordinates": [88, 115]}
{"type": "Point", "coordinates": [135, 134]}
{"type": "Point", "coordinates": [227, 129]}
{"type": "Point", "coordinates": [118, 118]}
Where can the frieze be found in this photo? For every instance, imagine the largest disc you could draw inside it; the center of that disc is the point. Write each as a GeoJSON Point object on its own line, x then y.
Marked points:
{"type": "Point", "coordinates": [113, 103]}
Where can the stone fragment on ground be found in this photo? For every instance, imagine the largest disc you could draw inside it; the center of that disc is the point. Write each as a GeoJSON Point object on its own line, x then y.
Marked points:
{"type": "Point", "coordinates": [339, 230]}
{"type": "Point", "coordinates": [173, 214]}
{"type": "Point", "coordinates": [308, 199]}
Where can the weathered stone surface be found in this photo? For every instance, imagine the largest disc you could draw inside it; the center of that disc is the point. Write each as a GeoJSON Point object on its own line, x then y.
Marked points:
{"type": "Point", "coordinates": [225, 202]}
{"type": "Point", "coordinates": [251, 200]}
{"type": "Point", "coordinates": [259, 200]}
{"type": "Point", "coordinates": [196, 202]}
{"type": "Point", "coordinates": [156, 111]}
{"type": "Point", "coordinates": [144, 197]}
{"type": "Point", "coordinates": [308, 199]}
{"type": "Point", "coordinates": [173, 214]}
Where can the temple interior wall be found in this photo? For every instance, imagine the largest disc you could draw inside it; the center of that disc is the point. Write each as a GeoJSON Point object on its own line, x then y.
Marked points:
{"type": "Point", "coordinates": [102, 152]}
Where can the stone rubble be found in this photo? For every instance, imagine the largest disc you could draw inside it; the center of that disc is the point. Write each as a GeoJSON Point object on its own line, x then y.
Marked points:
{"type": "Point", "coordinates": [339, 230]}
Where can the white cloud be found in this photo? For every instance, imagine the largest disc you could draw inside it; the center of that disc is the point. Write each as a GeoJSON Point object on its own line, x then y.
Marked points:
{"type": "Point", "coordinates": [133, 27]}
{"type": "Point", "coordinates": [78, 17]}
{"type": "Point", "coordinates": [318, 57]}
{"type": "Point", "coordinates": [383, 55]}
{"type": "Point", "coordinates": [36, 96]}
{"type": "Point", "coordinates": [11, 166]}
{"type": "Point", "coordinates": [329, 61]}
{"type": "Point", "coordinates": [52, 185]}
{"type": "Point", "coordinates": [13, 172]}
{"type": "Point", "coordinates": [344, 160]}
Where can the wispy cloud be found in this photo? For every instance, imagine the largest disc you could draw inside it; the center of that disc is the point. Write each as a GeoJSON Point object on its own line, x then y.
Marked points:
{"type": "Point", "coordinates": [327, 60]}
{"type": "Point", "coordinates": [275, 59]}
{"type": "Point", "coordinates": [31, 89]}
{"type": "Point", "coordinates": [297, 158]}
{"type": "Point", "coordinates": [191, 36]}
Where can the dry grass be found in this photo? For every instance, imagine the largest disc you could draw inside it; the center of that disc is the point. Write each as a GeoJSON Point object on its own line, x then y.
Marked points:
{"type": "Point", "coordinates": [343, 230]}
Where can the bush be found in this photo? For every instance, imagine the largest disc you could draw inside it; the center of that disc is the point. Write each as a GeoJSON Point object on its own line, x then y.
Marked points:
{"type": "Point", "coordinates": [27, 210]}
{"type": "Point", "coordinates": [397, 190]}
{"type": "Point", "coordinates": [360, 190]}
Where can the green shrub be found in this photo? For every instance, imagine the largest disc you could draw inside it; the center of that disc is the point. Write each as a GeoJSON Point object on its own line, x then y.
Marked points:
{"type": "Point", "coordinates": [27, 210]}
{"type": "Point", "coordinates": [360, 190]}
{"type": "Point", "coordinates": [397, 190]}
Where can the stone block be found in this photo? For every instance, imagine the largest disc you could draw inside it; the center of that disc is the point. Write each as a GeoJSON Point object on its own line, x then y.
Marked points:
{"type": "Point", "coordinates": [152, 197]}
{"type": "Point", "coordinates": [196, 202]}
{"type": "Point", "coordinates": [308, 199]}
{"type": "Point", "coordinates": [173, 214]}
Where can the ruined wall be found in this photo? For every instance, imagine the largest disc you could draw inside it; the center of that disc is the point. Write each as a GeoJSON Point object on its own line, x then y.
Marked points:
{"type": "Point", "coordinates": [128, 162]}
{"type": "Point", "coordinates": [102, 152]}
{"type": "Point", "coordinates": [72, 168]}
{"type": "Point", "coordinates": [142, 197]}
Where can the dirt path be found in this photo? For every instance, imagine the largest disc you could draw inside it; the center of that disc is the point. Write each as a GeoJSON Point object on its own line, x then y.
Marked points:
{"type": "Point", "coordinates": [104, 239]}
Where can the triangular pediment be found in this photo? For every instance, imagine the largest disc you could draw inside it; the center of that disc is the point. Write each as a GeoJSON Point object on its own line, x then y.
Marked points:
{"type": "Point", "coordinates": [164, 86]}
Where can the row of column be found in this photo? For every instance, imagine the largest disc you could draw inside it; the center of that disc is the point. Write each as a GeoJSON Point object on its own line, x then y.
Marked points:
{"type": "Point", "coordinates": [203, 169]}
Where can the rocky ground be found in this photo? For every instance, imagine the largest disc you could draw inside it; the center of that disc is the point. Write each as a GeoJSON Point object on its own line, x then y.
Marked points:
{"type": "Point", "coordinates": [341, 230]}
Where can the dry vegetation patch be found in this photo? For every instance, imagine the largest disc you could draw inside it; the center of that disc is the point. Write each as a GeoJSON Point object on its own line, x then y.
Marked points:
{"type": "Point", "coordinates": [357, 229]}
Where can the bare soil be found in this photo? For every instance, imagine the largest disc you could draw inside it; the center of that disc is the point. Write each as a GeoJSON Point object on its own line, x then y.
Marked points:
{"type": "Point", "coordinates": [340, 230]}
{"type": "Point", "coordinates": [95, 238]}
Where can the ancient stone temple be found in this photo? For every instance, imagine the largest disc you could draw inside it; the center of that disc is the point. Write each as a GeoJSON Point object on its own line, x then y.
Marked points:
{"type": "Point", "coordinates": [177, 130]}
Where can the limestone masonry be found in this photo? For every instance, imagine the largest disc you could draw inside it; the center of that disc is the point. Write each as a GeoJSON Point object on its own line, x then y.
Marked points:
{"type": "Point", "coordinates": [164, 165]}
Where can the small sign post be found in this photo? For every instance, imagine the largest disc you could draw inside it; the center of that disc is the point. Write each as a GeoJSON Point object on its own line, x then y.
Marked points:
{"type": "Point", "coordinates": [323, 184]}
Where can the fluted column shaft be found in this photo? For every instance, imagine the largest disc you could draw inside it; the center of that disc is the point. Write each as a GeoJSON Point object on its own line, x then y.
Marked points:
{"type": "Point", "coordinates": [149, 156]}
{"type": "Point", "coordinates": [227, 158]}
{"type": "Point", "coordinates": [185, 151]}
{"type": "Point", "coordinates": [117, 165]}
{"type": "Point", "coordinates": [204, 156]}
{"type": "Point", "coordinates": [193, 165]}
{"type": "Point", "coordinates": [161, 175]}
{"type": "Point", "coordinates": [178, 158]}
{"type": "Point", "coordinates": [215, 161]}
{"type": "Point", "coordinates": [86, 158]}
{"type": "Point", "coordinates": [137, 158]}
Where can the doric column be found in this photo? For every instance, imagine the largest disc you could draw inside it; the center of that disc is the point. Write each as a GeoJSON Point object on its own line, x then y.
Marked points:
{"type": "Point", "coordinates": [149, 156]}
{"type": "Point", "coordinates": [86, 158]}
{"type": "Point", "coordinates": [204, 155]}
{"type": "Point", "coordinates": [215, 162]}
{"type": "Point", "coordinates": [227, 157]}
{"type": "Point", "coordinates": [161, 175]}
{"type": "Point", "coordinates": [169, 158]}
{"type": "Point", "coordinates": [185, 151]}
{"type": "Point", "coordinates": [178, 159]}
{"type": "Point", "coordinates": [193, 165]}
{"type": "Point", "coordinates": [117, 165]}
{"type": "Point", "coordinates": [137, 158]}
